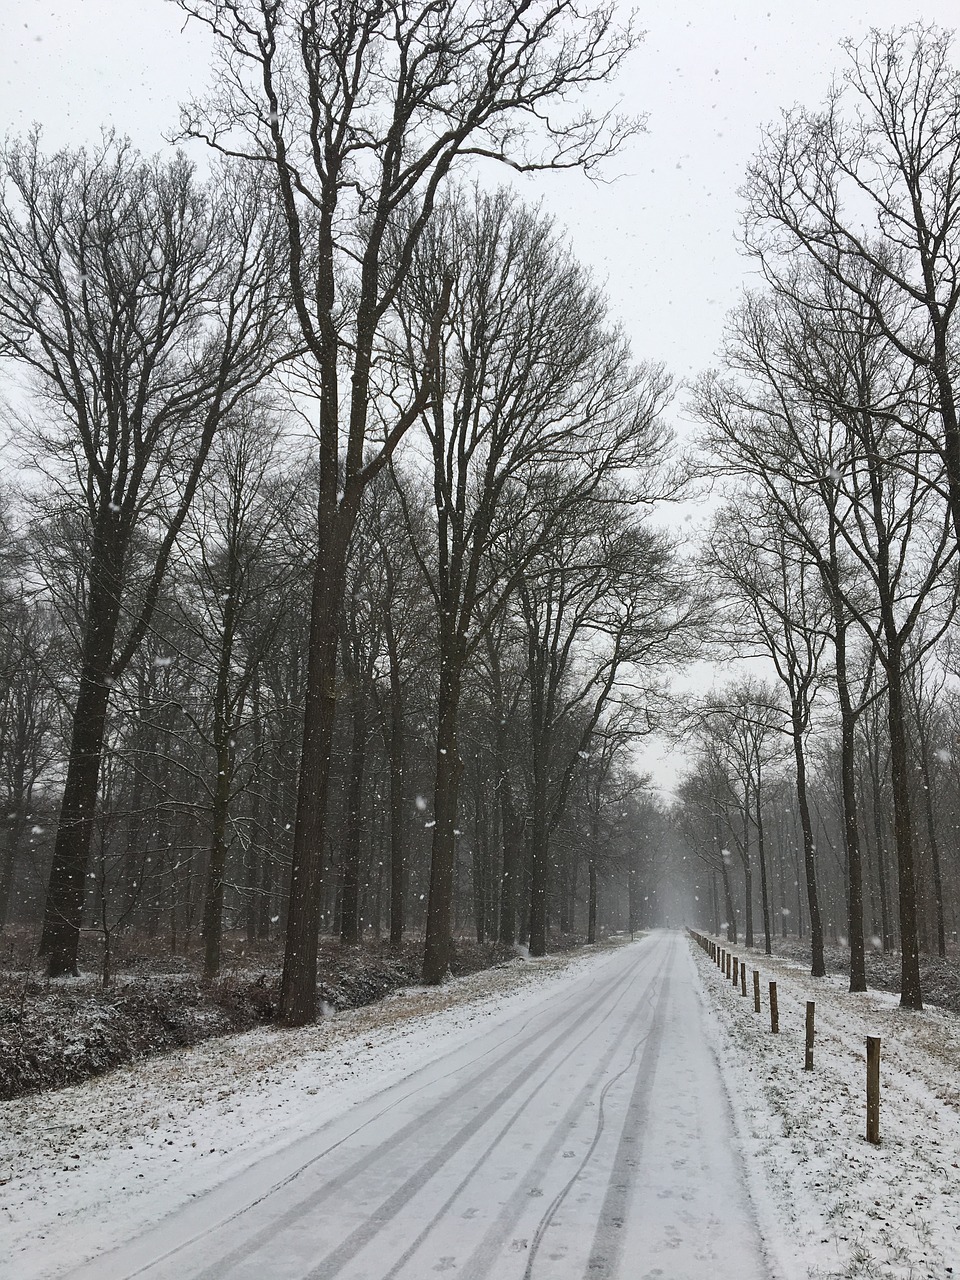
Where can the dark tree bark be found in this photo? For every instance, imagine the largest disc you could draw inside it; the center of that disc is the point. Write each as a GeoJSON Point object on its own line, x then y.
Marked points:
{"type": "Point", "coordinates": [63, 914]}
{"type": "Point", "coordinates": [350, 855]}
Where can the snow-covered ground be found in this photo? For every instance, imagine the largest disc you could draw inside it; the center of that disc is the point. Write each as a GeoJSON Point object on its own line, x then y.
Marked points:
{"type": "Point", "coordinates": [836, 1205]}
{"type": "Point", "coordinates": [614, 1114]}
{"type": "Point", "coordinates": [552, 1121]}
{"type": "Point", "coordinates": [86, 1168]}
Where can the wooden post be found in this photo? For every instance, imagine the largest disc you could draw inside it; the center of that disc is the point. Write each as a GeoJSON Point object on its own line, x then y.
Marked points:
{"type": "Point", "coordinates": [756, 990]}
{"type": "Point", "coordinates": [808, 1055]}
{"type": "Point", "coordinates": [873, 1089]}
{"type": "Point", "coordinates": [729, 963]}
{"type": "Point", "coordinates": [743, 978]}
{"type": "Point", "coordinates": [774, 1011]}
{"type": "Point", "coordinates": [736, 970]}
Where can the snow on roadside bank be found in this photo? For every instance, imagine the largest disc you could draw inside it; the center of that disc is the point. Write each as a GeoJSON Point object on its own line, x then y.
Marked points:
{"type": "Point", "coordinates": [833, 1205]}
{"type": "Point", "coordinates": [86, 1167]}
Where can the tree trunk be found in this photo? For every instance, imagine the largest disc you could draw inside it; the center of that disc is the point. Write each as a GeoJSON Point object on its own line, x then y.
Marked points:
{"type": "Point", "coordinates": [817, 967]}
{"type": "Point", "coordinates": [910, 990]}
{"type": "Point", "coordinates": [212, 927]}
{"type": "Point", "coordinates": [539, 870]}
{"type": "Point", "coordinates": [764, 890]}
{"type": "Point", "coordinates": [398, 819]}
{"type": "Point", "coordinates": [481, 858]}
{"type": "Point", "coordinates": [510, 879]}
{"type": "Point", "coordinates": [934, 849]}
{"type": "Point", "coordinates": [438, 943]}
{"type": "Point", "coordinates": [748, 901]}
{"type": "Point", "coordinates": [592, 899]}
{"type": "Point", "coordinates": [747, 879]}
{"type": "Point", "coordinates": [63, 912]}
{"type": "Point", "coordinates": [592, 871]}
{"type": "Point", "coordinates": [851, 832]}
{"type": "Point", "coordinates": [298, 986]}
{"type": "Point", "coordinates": [255, 852]}
{"type": "Point", "coordinates": [350, 861]}
{"type": "Point", "coordinates": [877, 795]}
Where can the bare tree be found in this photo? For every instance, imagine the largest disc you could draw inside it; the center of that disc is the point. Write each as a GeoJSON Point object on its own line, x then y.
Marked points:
{"type": "Point", "coordinates": [408, 650]}
{"type": "Point", "coordinates": [607, 782]}
{"type": "Point", "coordinates": [868, 186]}
{"type": "Point", "coordinates": [779, 603]}
{"type": "Point", "coordinates": [744, 728]}
{"type": "Point", "coordinates": [233, 585]}
{"type": "Point", "coordinates": [703, 814]}
{"type": "Point", "coordinates": [538, 404]}
{"type": "Point", "coordinates": [604, 603]}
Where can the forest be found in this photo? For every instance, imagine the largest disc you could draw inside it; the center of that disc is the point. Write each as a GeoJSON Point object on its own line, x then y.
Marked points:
{"type": "Point", "coordinates": [342, 563]}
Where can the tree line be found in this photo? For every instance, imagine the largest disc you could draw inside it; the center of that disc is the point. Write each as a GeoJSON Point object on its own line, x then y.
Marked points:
{"type": "Point", "coordinates": [331, 597]}
{"type": "Point", "coordinates": [831, 432]}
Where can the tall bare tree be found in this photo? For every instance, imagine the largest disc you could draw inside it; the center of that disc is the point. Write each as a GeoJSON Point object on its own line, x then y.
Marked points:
{"type": "Point", "coordinates": [832, 420]}
{"type": "Point", "coordinates": [868, 186]}
{"type": "Point", "coordinates": [780, 606]}
{"type": "Point", "coordinates": [538, 405]}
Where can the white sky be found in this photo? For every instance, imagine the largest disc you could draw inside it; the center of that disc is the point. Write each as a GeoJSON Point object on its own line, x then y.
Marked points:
{"type": "Point", "coordinates": [662, 236]}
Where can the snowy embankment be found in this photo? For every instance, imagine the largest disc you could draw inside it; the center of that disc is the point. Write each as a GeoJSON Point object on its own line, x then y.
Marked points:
{"type": "Point", "coordinates": [85, 1168]}
{"type": "Point", "coordinates": [843, 1207]}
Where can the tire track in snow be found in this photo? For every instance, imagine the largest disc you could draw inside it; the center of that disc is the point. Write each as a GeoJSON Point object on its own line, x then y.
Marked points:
{"type": "Point", "coordinates": [608, 1239]}
{"type": "Point", "coordinates": [485, 1256]}
{"type": "Point", "coordinates": [649, 1044]}
{"type": "Point", "coordinates": [334, 1263]}
{"type": "Point", "coordinates": [413, 1130]}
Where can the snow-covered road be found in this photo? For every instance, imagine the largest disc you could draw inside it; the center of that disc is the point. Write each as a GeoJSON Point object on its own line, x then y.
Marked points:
{"type": "Point", "coordinates": [586, 1135]}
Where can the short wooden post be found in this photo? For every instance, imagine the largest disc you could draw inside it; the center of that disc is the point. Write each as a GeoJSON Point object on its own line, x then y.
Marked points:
{"type": "Point", "coordinates": [743, 978]}
{"type": "Point", "coordinates": [729, 963]}
{"type": "Point", "coordinates": [736, 970]}
{"type": "Point", "coordinates": [774, 1011]}
{"type": "Point", "coordinates": [873, 1089]}
{"type": "Point", "coordinates": [756, 990]}
{"type": "Point", "coordinates": [808, 1055]}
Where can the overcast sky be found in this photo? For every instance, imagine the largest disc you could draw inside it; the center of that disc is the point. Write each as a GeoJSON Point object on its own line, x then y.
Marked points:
{"type": "Point", "coordinates": [663, 236]}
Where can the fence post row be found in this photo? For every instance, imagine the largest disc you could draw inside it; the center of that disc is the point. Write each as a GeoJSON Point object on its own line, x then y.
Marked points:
{"type": "Point", "coordinates": [729, 964]}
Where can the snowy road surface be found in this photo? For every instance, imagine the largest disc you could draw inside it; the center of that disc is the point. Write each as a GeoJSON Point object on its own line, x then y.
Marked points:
{"type": "Point", "coordinates": [588, 1136]}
